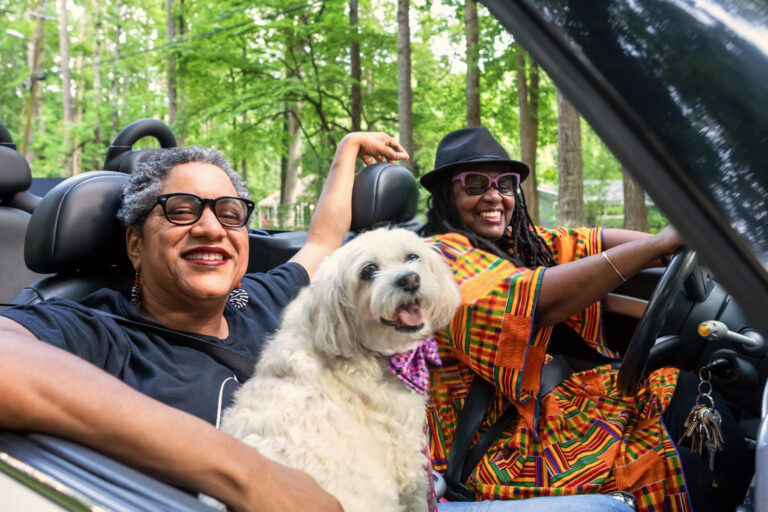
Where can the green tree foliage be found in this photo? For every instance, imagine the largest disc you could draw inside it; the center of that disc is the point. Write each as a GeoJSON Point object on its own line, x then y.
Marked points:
{"type": "Point", "coordinates": [240, 64]}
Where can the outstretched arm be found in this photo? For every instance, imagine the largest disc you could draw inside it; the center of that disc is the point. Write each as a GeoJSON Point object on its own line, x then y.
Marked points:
{"type": "Point", "coordinates": [569, 288]}
{"type": "Point", "coordinates": [45, 389]}
{"type": "Point", "coordinates": [333, 214]}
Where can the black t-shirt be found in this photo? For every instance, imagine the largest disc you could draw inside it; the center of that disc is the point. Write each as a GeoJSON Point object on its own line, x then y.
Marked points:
{"type": "Point", "coordinates": [177, 375]}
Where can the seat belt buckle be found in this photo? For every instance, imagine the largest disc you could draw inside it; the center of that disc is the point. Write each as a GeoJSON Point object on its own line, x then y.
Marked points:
{"type": "Point", "coordinates": [439, 484]}
{"type": "Point", "coordinates": [458, 492]}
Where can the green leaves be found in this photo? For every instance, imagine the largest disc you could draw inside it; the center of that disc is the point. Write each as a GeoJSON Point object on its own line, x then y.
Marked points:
{"type": "Point", "coordinates": [240, 64]}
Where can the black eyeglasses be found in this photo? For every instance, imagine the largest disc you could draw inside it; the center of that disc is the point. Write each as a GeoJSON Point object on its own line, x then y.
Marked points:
{"type": "Point", "coordinates": [183, 209]}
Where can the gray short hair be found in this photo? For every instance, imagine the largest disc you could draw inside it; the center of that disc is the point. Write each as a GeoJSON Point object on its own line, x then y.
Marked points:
{"type": "Point", "coordinates": [147, 181]}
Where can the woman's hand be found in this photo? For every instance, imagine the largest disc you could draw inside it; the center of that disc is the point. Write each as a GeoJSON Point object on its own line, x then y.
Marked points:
{"type": "Point", "coordinates": [277, 488]}
{"type": "Point", "coordinates": [333, 213]}
{"type": "Point", "coordinates": [375, 147]}
{"type": "Point", "coordinates": [670, 241]}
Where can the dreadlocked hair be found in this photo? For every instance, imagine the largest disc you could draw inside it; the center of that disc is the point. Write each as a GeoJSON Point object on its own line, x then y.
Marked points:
{"type": "Point", "coordinates": [521, 244]}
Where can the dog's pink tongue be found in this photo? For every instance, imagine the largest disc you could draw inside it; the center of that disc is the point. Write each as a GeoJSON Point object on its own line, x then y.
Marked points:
{"type": "Point", "coordinates": [410, 315]}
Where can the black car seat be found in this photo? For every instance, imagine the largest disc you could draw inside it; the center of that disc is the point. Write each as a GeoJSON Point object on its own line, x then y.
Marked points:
{"type": "Point", "coordinates": [383, 194]}
{"type": "Point", "coordinates": [74, 232]}
{"type": "Point", "coordinates": [16, 206]}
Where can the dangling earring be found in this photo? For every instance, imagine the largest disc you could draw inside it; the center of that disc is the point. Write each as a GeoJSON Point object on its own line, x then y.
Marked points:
{"type": "Point", "coordinates": [135, 290]}
{"type": "Point", "coordinates": [238, 297]}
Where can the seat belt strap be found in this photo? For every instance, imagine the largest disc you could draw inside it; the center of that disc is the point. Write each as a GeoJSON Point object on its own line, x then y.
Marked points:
{"type": "Point", "coordinates": [462, 459]}
{"type": "Point", "coordinates": [241, 365]}
{"type": "Point", "coordinates": [467, 424]}
{"type": "Point", "coordinates": [553, 374]}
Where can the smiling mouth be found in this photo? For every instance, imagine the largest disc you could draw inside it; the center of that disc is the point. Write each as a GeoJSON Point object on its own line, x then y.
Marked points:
{"type": "Point", "coordinates": [494, 215]}
{"type": "Point", "coordinates": [407, 318]}
{"type": "Point", "coordinates": [206, 256]}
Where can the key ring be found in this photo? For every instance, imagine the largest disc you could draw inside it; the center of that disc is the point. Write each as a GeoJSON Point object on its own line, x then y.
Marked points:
{"type": "Point", "coordinates": [704, 376]}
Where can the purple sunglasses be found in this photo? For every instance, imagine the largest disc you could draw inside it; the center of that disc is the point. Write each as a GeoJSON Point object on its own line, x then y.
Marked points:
{"type": "Point", "coordinates": [477, 183]}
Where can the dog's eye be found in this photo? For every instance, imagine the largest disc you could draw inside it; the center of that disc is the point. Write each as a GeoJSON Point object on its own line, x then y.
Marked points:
{"type": "Point", "coordinates": [412, 257]}
{"type": "Point", "coordinates": [369, 271]}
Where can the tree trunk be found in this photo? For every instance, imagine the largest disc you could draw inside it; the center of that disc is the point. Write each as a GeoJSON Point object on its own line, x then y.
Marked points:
{"type": "Point", "coordinates": [37, 70]}
{"type": "Point", "coordinates": [287, 213]}
{"type": "Point", "coordinates": [404, 92]}
{"type": "Point", "coordinates": [77, 154]}
{"type": "Point", "coordinates": [635, 211]}
{"type": "Point", "coordinates": [244, 114]}
{"type": "Point", "coordinates": [180, 135]}
{"type": "Point", "coordinates": [97, 34]}
{"type": "Point", "coordinates": [528, 102]}
{"type": "Point", "coordinates": [570, 209]}
{"type": "Point", "coordinates": [355, 71]}
{"type": "Point", "coordinates": [116, 71]}
{"type": "Point", "coordinates": [472, 31]}
{"type": "Point", "coordinates": [171, 34]}
{"type": "Point", "coordinates": [66, 84]}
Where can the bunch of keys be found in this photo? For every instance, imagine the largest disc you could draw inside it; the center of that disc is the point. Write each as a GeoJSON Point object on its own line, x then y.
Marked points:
{"type": "Point", "coordinates": [703, 423]}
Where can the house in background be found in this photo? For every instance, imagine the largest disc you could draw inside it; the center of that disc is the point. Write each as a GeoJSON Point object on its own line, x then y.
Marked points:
{"type": "Point", "coordinates": [603, 204]}
{"type": "Point", "coordinates": [268, 208]}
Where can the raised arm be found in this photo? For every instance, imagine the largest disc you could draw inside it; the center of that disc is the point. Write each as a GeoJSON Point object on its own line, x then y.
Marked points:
{"type": "Point", "coordinates": [333, 214]}
{"type": "Point", "coordinates": [569, 288]}
{"type": "Point", "coordinates": [45, 389]}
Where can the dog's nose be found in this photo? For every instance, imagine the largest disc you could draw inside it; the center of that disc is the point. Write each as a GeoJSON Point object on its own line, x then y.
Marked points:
{"type": "Point", "coordinates": [408, 281]}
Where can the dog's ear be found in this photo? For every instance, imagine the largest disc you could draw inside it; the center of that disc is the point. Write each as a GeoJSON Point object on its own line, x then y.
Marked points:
{"type": "Point", "coordinates": [328, 312]}
{"type": "Point", "coordinates": [450, 297]}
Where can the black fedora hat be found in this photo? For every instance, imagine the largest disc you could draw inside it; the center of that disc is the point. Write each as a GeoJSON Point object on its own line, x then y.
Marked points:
{"type": "Point", "coordinates": [473, 145]}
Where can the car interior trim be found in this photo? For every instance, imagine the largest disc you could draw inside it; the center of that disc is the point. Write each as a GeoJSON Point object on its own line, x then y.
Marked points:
{"type": "Point", "coordinates": [46, 484]}
{"type": "Point", "coordinates": [624, 305]}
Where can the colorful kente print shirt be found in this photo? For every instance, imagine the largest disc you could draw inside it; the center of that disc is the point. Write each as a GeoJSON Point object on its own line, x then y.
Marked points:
{"type": "Point", "coordinates": [584, 436]}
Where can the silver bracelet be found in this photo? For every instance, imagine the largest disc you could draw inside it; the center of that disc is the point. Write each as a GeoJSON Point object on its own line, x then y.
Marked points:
{"type": "Point", "coordinates": [613, 266]}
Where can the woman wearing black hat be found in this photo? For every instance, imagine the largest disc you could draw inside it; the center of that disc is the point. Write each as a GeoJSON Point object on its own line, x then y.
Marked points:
{"type": "Point", "coordinates": [517, 282]}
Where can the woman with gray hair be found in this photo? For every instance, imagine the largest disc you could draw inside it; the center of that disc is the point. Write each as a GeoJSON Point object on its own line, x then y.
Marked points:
{"type": "Point", "coordinates": [185, 214]}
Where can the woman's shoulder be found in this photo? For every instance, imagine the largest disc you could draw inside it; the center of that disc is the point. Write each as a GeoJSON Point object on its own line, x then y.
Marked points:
{"type": "Point", "coordinates": [453, 242]}
{"type": "Point", "coordinates": [104, 299]}
{"type": "Point", "coordinates": [290, 273]}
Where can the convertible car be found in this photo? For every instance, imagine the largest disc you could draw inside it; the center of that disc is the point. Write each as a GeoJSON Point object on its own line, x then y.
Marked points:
{"type": "Point", "coordinates": [676, 89]}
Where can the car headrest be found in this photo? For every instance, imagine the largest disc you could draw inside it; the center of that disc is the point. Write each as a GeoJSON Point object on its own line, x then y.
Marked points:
{"type": "Point", "coordinates": [5, 137]}
{"type": "Point", "coordinates": [122, 158]}
{"type": "Point", "coordinates": [127, 162]}
{"type": "Point", "coordinates": [75, 226]}
{"type": "Point", "coordinates": [383, 193]}
{"type": "Point", "coordinates": [15, 175]}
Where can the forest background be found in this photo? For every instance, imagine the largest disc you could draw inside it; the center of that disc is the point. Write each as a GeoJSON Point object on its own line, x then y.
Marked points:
{"type": "Point", "coordinates": [276, 84]}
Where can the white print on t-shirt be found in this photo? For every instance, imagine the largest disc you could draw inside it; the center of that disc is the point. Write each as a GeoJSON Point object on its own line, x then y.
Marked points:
{"type": "Point", "coordinates": [221, 395]}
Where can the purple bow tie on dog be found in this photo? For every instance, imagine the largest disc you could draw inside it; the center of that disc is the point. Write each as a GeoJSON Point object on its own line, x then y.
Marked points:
{"type": "Point", "coordinates": [411, 367]}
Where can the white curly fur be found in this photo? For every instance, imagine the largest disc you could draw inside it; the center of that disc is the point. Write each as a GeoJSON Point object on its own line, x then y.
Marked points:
{"type": "Point", "coordinates": [322, 399]}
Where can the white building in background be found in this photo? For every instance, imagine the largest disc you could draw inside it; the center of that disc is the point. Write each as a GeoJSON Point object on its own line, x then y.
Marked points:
{"type": "Point", "coordinates": [268, 208]}
{"type": "Point", "coordinates": [603, 203]}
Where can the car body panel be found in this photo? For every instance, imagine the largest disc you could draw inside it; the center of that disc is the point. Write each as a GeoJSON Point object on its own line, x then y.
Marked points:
{"type": "Point", "coordinates": [77, 478]}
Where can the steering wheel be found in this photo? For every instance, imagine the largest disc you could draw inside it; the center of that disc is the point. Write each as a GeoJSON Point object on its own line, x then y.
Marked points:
{"type": "Point", "coordinates": [633, 365]}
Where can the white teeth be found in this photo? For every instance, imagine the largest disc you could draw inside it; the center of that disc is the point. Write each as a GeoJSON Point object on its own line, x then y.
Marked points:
{"type": "Point", "coordinates": [491, 215]}
{"type": "Point", "coordinates": [212, 256]}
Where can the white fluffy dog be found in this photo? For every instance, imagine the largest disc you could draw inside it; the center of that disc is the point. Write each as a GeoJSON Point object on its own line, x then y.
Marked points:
{"type": "Point", "coordinates": [323, 400]}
